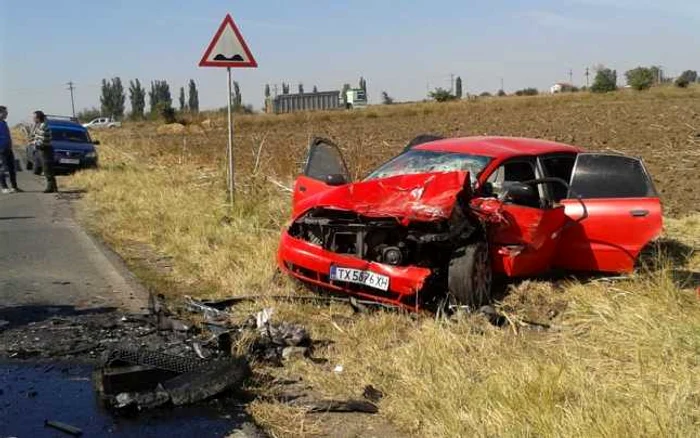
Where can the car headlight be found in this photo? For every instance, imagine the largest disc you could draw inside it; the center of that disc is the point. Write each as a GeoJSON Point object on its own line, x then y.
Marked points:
{"type": "Point", "coordinates": [92, 154]}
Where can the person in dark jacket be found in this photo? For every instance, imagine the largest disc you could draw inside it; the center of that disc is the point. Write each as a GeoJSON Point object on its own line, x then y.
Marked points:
{"type": "Point", "coordinates": [7, 156]}
{"type": "Point", "coordinates": [41, 138]}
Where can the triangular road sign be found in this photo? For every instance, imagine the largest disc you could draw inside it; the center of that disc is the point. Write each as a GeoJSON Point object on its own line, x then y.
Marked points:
{"type": "Point", "coordinates": [228, 48]}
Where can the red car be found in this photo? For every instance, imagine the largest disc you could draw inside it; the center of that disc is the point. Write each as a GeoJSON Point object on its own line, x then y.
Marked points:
{"type": "Point", "coordinates": [445, 215]}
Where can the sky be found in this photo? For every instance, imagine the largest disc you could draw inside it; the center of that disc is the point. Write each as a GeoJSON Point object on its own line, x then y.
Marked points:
{"type": "Point", "coordinates": [403, 48]}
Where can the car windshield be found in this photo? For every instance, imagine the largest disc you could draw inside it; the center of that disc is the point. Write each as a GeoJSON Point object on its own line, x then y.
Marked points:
{"type": "Point", "coordinates": [417, 161]}
{"type": "Point", "coordinates": [72, 135]}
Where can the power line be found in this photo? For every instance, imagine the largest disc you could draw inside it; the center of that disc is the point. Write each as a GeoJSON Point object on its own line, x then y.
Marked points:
{"type": "Point", "coordinates": [71, 87]}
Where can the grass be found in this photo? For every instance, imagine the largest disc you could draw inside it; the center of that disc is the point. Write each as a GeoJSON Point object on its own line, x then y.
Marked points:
{"type": "Point", "coordinates": [621, 359]}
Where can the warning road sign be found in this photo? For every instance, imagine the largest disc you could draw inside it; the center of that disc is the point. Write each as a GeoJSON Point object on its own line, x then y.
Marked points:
{"type": "Point", "coordinates": [228, 48]}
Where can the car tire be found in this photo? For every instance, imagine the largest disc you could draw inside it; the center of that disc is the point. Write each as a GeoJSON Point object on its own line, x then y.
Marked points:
{"type": "Point", "coordinates": [470, 276]}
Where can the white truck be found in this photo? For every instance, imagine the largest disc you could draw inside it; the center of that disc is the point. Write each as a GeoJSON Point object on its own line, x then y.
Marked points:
{"type": "Point", "coordinates": [355, 98]}
{"type": "Point", "coordinates": [102, 122]}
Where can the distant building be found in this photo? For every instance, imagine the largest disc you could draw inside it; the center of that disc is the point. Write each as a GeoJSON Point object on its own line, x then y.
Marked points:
{"type": "Point", "coordinates": [561, 87]}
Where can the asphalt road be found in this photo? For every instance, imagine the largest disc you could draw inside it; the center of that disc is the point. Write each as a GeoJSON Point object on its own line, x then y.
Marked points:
{"type": "Point", "coordinates": [47, 259]}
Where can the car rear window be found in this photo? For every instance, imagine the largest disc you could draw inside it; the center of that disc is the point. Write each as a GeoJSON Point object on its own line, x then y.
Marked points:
{"type": "Point", "coordinates": [610, 176]}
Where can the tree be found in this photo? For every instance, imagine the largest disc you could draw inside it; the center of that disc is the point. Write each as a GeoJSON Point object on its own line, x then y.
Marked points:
{"type": "Point", "coordinates": [315, 89]}
{"type": "Point", "coordinates": [182, 99]}
{"type": "Point", "coordinates": [301, 88]}
{"type": "Point", "coordinates": [267, 90]}
{"type": "Point", "coordinates": [458, 87]}
{"type": "Point", "coordinates": [113, 98]}
{"type": "Point", "coordinates": [501, 93]}
{"type": "Point", "coordinates": [344, 93]}
{"type": "Point", "coordinates": [657, 73]}
{"type": "Point", "coordinates": [485, 94]}
{"type": "Point", "coordinates": [527, 92]}
{"type": "Point", "coordinates": [686, 78]}
{"type": "Point", "coordinates": [285, 88]}
{"type": "Point", "coordinates": [640, 78]}
{"type": "Point", "coordinates": [442, 95]}
{"type": "Point", "coordinates": [386, 99]}
{"type": "Point", "coordinates": [137, 97]}
{"type": "Point", "coordinates": [192, 97]}
{"type": "Point", "coordinates": [605, 80]}
{"type": "Point", "coordinates": [236, 98]}
{"type": "Point", "coordinates": [159, 97]}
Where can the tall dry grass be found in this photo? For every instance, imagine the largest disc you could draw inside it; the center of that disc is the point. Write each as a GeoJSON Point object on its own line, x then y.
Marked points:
{"type": "Point", "coordinates": [620, 359]}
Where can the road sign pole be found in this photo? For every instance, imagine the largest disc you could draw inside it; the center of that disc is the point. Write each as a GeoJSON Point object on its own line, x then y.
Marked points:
{"type": "Point", "coordinates": [229, 150]}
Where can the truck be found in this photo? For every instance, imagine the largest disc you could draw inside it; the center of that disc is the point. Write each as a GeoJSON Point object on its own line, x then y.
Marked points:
{"type": "Point", "coordinates": [355, 98]}
{"type": "Point", "coordinates": [318, 101]}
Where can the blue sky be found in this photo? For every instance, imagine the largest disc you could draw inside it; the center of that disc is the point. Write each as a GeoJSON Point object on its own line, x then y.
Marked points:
{"type": "Point", "coordinates": [401, 47]}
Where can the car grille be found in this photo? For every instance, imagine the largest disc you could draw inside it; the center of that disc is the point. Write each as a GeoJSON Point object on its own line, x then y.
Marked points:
{"type": "Point", "coordinates": [67, 154]}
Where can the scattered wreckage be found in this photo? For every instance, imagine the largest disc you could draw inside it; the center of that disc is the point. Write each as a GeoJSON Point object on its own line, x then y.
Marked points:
{"type": "Point", "coordinates": [434, 224]}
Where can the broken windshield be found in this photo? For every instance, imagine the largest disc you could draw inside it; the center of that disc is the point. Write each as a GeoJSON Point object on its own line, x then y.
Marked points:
{"type": "Point", "coordinates": [417, 161]}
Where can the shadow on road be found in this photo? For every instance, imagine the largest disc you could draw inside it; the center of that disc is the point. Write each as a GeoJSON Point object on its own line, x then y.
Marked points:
{"type": "Point", "coordinates": [12, 218]}
{"type": "Point", "coordinates": [18, 316]}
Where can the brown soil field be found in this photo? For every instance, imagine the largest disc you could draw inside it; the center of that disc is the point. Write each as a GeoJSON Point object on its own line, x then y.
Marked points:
{"type": "Point", "coordinates": [661, 126]}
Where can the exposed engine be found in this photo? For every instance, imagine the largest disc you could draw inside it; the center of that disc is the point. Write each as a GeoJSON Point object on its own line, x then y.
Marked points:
{"type": "Point", "coordinates": [383, 240]}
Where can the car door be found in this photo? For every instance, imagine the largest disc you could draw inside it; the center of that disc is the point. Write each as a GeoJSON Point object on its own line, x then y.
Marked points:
{"type": "Point", "coordinates": [324, 169]}
{"type": "Point", "coordinates": [622, 214]}
{"type": "Point", "coordinates": [522, 235]}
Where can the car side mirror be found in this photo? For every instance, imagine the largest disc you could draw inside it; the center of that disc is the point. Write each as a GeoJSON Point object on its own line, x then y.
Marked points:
{"type": "Point", "coordinates": [336, 179]}
{"type": "Point", "coordinates": [521, 193]}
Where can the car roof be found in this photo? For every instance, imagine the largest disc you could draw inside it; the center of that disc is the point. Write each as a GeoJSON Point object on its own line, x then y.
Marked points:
{"type": "Point", "coordinates": [65, 124]}
{"type": "Point", "coordinates": [498, 147]}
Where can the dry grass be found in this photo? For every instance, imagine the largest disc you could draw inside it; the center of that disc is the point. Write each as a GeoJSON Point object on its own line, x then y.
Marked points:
{"type": "Point", "coordinates": [622, 359]}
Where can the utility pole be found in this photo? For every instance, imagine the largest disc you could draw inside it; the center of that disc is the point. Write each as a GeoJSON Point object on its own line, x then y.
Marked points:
{"type": "Point", "coordinates": [587, 74]}
{"type": "Point", "coordinates": [71, 87]}
{"type": "Point", "coordinates": [571, 77]}
{"type": "Point", "coordinates": [502, 84]}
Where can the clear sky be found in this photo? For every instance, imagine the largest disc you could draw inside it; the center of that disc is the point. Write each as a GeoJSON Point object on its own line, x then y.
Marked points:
{"type": "Point", "coordinates": [399, 46]}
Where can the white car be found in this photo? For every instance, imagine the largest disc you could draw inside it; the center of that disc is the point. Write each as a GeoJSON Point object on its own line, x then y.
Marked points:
{"type": "Point", "coordinates": [103, 122]}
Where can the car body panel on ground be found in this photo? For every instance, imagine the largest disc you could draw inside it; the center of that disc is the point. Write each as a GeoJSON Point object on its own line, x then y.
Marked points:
{"type": "Point", "coordinates": [409, 218]}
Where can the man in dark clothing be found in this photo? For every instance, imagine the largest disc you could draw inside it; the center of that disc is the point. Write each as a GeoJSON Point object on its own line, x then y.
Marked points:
{"type": "Point", "coordinates": [41, 138]}
{"type": "Point", "coordinates": [7, 157]}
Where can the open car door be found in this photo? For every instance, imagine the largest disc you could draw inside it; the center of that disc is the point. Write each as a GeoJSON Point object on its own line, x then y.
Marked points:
{"type": "Point", "coordinates": [623, 214]}
{"type": "Point", "coordinates": [324, 168]}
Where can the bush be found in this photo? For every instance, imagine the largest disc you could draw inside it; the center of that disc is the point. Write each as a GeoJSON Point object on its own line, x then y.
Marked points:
{"type": "Point", "coordinates": [527, 92]}
{"type": "Point", "coordinates": [485, 94]}
{"type": "Point", "coordinates": [640, 78]}
{"type": "Point", "coordinates": [442, 95]}
{"type": "Point", "coordinates": [605, 81]}
{"type": "Point", "coordinates": [168, 114]}
{"type": "Point", "coordinates": [501, 93]}
{"type": "Point", "coordinates": [686, 78]}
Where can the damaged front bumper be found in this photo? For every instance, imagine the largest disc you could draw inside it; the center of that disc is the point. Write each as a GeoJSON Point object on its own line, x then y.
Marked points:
{"type": "Point", "coordinates": [312, 264]}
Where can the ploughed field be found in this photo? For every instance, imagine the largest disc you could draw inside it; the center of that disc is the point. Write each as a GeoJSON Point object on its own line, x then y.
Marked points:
{"type": "Point", "coordinates": [573, 357]}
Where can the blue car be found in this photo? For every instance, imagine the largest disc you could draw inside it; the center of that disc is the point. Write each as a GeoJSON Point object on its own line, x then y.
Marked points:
{"type": "Point", "coordinates": [73, 149]}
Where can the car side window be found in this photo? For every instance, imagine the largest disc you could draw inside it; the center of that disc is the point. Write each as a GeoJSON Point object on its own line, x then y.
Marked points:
{"type": "Point", "coordinates": [558, 166]}
{"type": "Point", "coordinates": [513, 171]}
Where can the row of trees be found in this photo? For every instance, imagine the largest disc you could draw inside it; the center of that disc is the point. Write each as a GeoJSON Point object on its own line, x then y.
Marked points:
{"type": "Point", "coordinates": [113, 99]}
{"type": "Point", "coordinates": [640, 78]}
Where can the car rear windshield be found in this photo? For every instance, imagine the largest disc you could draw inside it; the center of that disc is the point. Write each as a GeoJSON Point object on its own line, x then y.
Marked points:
{"type": "Point", "coordinates": [417, 161]}
{"type": "Point", "coordinates": [73, 135]}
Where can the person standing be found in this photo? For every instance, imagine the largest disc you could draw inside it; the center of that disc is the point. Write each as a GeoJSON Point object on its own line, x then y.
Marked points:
{"type": "Point", "coordinates": [7, 156]}
{"type": "Point", "coordinates": [42, 141]}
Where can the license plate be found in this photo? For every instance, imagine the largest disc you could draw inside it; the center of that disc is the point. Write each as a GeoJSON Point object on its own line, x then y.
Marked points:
{"type": "Point", "coordinates": [359, 276]}
{"type": "Point", "coordinates": [68, 161]}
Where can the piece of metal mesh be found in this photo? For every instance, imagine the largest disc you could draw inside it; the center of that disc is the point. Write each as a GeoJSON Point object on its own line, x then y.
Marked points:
{"type": "Point", "coordinates": [155, 359]}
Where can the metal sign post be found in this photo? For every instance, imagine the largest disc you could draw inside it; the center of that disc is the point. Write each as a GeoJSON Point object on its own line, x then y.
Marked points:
{"type": "Point", "coordinates": [229, 150]}
{"type": "Point", "coordinates": [228, 49]}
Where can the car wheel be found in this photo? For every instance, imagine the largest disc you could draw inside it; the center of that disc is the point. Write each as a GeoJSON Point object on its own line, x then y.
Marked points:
{"type": "Point", "coordinates": [470, 277]}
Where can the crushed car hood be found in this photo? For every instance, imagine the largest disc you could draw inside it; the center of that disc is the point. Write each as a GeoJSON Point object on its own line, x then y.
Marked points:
{"type": "Point", "coordinates": [417, 197]}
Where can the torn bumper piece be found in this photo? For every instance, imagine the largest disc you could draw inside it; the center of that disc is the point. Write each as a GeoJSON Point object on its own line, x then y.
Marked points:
{"type": "Point", "coordinates": [312, 264]}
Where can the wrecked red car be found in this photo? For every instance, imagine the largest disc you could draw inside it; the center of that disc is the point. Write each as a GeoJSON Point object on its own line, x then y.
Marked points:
{"type": "Point", "coordinates": [445, 215]}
